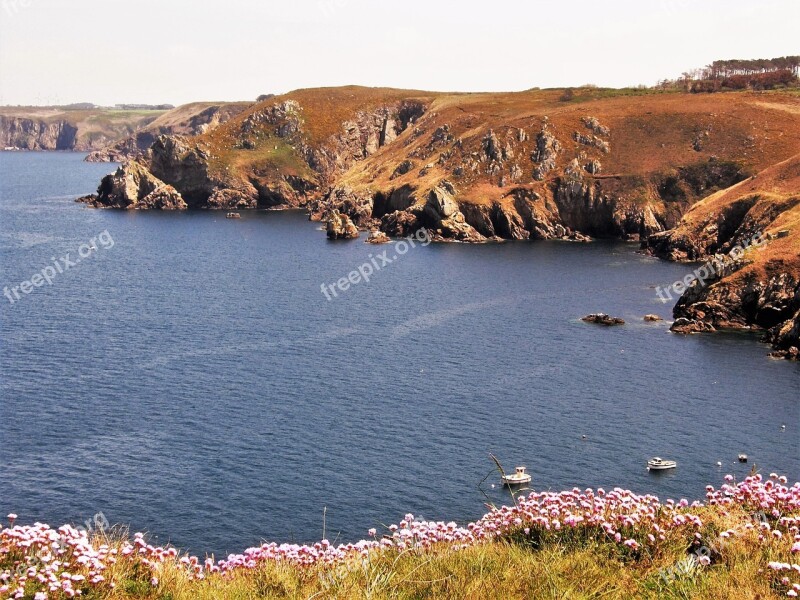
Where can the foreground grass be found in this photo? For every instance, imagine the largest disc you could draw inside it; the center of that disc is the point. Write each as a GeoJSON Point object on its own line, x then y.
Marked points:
{"type": "Point", "coordinates": [500, 570]}
{"type": "Point", "coordinates": [743, 544]}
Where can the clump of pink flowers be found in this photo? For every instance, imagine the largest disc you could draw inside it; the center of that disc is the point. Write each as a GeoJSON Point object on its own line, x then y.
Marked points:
{"type": "Point", "coordinates": [54, 563]}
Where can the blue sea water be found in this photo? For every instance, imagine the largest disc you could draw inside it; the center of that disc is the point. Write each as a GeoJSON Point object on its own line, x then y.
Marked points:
{"type": "Point", "coordinates": [189, 378]}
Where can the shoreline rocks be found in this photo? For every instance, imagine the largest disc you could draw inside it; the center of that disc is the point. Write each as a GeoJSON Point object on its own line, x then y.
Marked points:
{"type": "Point", "coordinates": [378, 237]}
{"type": "Point", "coordinates": [603, 319]}
{"type": "Point", "coordinates": [686, 326]}
{"type": "Point", "coordinates": [340, 227]}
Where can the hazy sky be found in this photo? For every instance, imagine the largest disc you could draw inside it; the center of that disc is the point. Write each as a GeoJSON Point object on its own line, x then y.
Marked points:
{"type": "Point", "coordinates": [154, 51]}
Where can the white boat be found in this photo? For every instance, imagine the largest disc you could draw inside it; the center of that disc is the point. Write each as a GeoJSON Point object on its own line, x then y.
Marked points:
{"type": "Point", "coordinates": [659, 464]}
{"type": "Point", "coordinates": [743, 458]}
{"type": "Point", "coordinates": [519, 477]}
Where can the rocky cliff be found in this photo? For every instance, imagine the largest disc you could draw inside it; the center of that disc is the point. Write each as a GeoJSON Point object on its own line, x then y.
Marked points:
{"type": "Point", "coordinates": [748, 238]}
{"type": "Point", "coordinates": [477, 167]}
{"type": "Point", "coordinates": [109, 134]}
{"type": "Point", "coordinates": [39, 128]}
{"type": "Point", "coordinates": [30, 134]}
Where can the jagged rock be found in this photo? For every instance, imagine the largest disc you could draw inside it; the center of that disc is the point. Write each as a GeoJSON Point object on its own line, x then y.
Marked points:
{"type": "Point", "coordinates": [378, 237]}
{"type": "Point", "coordinates": [357, 205]}
{"type": "Point", "coordinates": [593, 141]}
{"type": "Point", "coordinates": [132, 186]}
{"type": "Point", "coordinates": [594, 167]}
{"type": "Point", "coordinates": [340, 227]}
{"type": "Point", "coordinates": [594, 125]}
{"type": "Point", "coordinates": [545, 154]}
{"type": "Point", "coordinates": [491, 147]}
{"type": "Point", "coordinates": [441, 136]}
{"type": "Point", "coordinates": [456, 228]}
{"type": "Point", "coordinates": [688, 326]}
{"type": "Point", "coordinates": [603, 319]}
{"type": "Point", "coordinates": [227, 199]}
{"type": "Point", "coordinates": [508, 224]}
{"type": "Point", "coordinates": [404, 167]}
{"type": "Point", "coordinates": [652, 318]}
{"type": "Point", "coordinates": [441, 203]}
{"type": "Point", "coordinates": [786, 338]}
{"type": "Point", "coordinates": [400, 223]}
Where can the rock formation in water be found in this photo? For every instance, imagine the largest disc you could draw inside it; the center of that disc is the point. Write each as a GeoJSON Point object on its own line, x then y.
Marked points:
{"type": "Point", "coordinates": [133, 187]}
{"type": "Point", "coordinates": [603, 319]}
{"type": "Point", "coordinates": [340, 227]}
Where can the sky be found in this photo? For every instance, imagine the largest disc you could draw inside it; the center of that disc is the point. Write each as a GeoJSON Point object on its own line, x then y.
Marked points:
{"type": "Point", "coordinates": [171, 51]}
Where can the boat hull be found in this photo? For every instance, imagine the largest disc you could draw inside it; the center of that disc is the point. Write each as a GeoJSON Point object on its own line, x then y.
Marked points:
{"type": "Point", "coordinates": [510, 482]}
{"type": "Point", "coordinates": [662, 467]}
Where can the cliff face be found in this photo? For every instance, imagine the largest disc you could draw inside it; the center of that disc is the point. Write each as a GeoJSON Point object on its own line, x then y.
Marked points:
{"type": "Point", "coordinates": [750, 237]}
{"type": "Point", "coordinates": [512, 166]}
{"type": "Point", "coordinates": [33, 134]}
{"type": "Point", "coordinates": [109, 134]}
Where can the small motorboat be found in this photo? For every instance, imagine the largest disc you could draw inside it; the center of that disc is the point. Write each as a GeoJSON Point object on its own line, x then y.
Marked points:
{"type": "Point", "coordinates": [519, 477]}
{"type": "Point", "coordinates": [659, 464]}
{"type": "Point", "coordinates": [743, 458]}
{"type": "Point", "coordinates": [233, 215]}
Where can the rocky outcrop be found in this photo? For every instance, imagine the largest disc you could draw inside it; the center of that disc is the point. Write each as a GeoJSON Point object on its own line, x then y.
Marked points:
{"type": "Point", "coordinates": [400, 223]}
{"type": "Point", "coordinates": [546, 153]}
{"type": "Point", "coordinates": [444, 219]}
{"type": "Point", "coordinates": [652, 318]}
{"type": "Point", "coordinates": [360, 137]}
{"type": "Point", "coordinates": [340, 227]}
{"type": "Point", "coordinates": [358, 206]}
{"type": "Point", "coordinates": [132, 187]}
{"type": "Point", "coordinates": [182, 164]}
{"type": "Point", "coordinates": [583, 205]}
{"type": "Point", "coordinates": [32, 134]}
{"type": "Point", "coordinates": [686, 326]}
{"type": "Point", "coordinates": [746, 300]}
{"type": "Point", "coordinates": [378, 237]}
{"type": "Point", "coordinates": [786, 338]}
{"type": "Point", "coordinates": [603, 319]}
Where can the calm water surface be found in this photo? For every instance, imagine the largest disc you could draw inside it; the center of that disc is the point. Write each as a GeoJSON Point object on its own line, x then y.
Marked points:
{"type": "Point", "coordinates": [192, 381]}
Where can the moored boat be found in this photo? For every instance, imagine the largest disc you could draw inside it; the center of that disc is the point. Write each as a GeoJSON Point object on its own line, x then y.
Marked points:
{"type": "Point", "coordinates": [659, 464]}
{"type": "Point", "coordinates": [519, 477]}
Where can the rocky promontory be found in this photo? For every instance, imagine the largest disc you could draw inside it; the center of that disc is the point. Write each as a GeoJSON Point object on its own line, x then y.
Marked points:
{"type": "Point", "coordinates": [746, 241]}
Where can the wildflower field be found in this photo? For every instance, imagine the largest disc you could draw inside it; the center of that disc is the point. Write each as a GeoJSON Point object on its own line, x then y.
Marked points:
{"type": "Point", "coordinates": [742, 542]}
